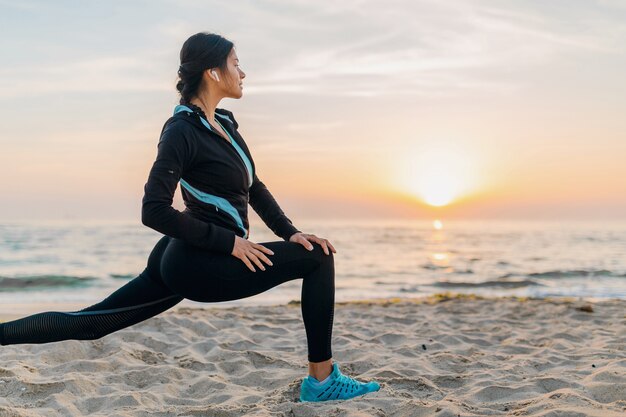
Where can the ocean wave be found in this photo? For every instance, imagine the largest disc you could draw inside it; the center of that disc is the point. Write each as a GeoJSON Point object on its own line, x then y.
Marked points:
{"type": "Point", "coordinates": [577, 273]}
{"type": "Point", "coordinates": [447, 268]}
{"type": "Point", "coordinates": [122, 276]}
{"type": "Point", "coordinates": [500, 284]}
{"type": "Point", "coordinates": [572, 273]}
{"type": "Point", "coordinates": [36, 282]}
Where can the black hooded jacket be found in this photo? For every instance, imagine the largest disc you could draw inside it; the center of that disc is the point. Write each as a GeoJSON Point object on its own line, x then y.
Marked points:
{"type": "Point", "coordinates": [215, 184]}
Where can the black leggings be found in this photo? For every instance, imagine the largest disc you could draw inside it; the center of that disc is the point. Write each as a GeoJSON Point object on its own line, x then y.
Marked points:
{"type": "Point", "coordinates": [177, 270]}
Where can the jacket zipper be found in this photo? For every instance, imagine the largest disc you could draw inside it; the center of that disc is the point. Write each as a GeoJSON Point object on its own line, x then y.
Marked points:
{"type": "Point", "coordinates": [232, 147]}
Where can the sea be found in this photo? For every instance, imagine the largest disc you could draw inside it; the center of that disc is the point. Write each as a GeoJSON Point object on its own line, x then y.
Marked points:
{"type": "Point", "coordinates": [69, 264]}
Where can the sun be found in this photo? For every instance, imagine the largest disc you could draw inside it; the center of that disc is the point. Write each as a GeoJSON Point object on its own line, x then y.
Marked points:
{"type": "Point", "coordinates": [439, 190]}
{"type": "Point", "coordinates": [438, 172]}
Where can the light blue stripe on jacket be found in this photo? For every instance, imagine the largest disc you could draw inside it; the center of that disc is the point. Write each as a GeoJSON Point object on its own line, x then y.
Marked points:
{"type": "Point", "coordinates": [218, 202]}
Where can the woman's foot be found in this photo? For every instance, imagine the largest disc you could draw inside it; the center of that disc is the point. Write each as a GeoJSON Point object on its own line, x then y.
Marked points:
{"type": "Point", "coordinates": [336, 387]}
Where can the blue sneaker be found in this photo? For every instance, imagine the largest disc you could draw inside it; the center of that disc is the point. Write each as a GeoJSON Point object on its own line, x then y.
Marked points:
{"type": "Point", "coordinates": [336, 387]}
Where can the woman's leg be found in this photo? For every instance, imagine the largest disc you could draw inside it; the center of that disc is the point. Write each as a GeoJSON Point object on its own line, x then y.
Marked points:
{"type": "Point", "coordinates": [211, 277]}
{"type": "Point", "coordinates": [177, 270]}
{"type": "Point", "coordinates": [139, 299]}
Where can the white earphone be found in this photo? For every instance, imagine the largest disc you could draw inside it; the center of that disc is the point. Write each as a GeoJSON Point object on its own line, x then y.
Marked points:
{"type": "Point", "coordinates": [215, 74]}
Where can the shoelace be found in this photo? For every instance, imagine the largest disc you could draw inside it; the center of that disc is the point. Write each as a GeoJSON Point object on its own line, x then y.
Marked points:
{"type": "Point", "coordinates": [349, 381]}
{"type": "Point", "coordinates": [342, 383]}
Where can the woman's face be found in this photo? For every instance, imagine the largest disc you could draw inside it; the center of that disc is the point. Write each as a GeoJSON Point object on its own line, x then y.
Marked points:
{"type": "Point", "coordinates": [233, 82]}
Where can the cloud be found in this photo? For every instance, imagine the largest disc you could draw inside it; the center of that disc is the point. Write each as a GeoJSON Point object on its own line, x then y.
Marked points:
{"type": "Point", "coordinates": [104, 74]}
{"type": "Point", "coordinates": [359, 48]}
{"type": "Point", "coordinates": [352, 48]}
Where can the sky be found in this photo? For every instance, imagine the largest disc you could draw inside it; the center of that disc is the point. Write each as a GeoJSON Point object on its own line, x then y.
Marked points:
{"type": "Point", "coordinates": [447, 109]}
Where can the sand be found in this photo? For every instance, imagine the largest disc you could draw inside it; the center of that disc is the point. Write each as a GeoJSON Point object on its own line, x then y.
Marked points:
{"type": "Point", "coordinates": [435, 356]}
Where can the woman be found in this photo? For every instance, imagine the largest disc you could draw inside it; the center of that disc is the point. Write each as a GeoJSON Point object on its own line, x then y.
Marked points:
{"type": "Point", "coordinates": [205, 254]}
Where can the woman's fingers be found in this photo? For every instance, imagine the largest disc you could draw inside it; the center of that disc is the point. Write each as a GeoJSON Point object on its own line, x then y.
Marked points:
{"type": "Point", "coordinates": [304, 241]}
{"type": "Point", "coordinates": [256, 260]}
{"type": "Point", "coordinates": [325, 246]}
{"type": "Point", "coordinates": [328, 245]}
{"type": "Point", "coordinates": [248, 263]}
{"type": "Point", "coordinates": [263, 248]}
{"type": "Point", "coordinates": [261, 255]}
{"type": "Point", "coordinates": [322, 242]}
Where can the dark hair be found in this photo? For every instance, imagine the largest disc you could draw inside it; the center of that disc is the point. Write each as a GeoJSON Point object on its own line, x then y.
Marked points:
{"type": "Point", "coordinates": [201, 51]}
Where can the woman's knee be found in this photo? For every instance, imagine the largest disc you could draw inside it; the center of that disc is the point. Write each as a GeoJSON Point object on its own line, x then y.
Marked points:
{"type": "Point", "coordinates": [320, 256]}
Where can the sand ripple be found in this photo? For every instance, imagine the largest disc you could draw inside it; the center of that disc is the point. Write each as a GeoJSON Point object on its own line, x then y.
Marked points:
{"type": "Point", "coordinates": [437, 357]}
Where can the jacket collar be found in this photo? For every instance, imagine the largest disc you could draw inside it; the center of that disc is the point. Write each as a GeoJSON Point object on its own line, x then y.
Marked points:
{"type": "Point", "coordinates": [223, 114]}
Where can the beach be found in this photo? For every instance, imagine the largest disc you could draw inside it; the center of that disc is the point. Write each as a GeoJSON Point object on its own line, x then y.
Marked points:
{"type": "Point", "coordinates": [440, 355]}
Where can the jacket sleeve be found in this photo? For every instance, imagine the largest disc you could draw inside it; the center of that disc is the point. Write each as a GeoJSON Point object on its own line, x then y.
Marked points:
{"type": "Point", "coordinates": [262, 201]}
{"type": "Point", "coordinates": [176, 151]}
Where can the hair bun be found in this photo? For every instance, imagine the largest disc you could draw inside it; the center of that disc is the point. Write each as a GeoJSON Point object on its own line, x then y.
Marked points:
{"type": "Point", "coordinates": [199, 52]}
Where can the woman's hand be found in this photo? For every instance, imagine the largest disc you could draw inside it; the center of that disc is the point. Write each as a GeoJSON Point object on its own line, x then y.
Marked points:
{"type": "Point", "coordinates": [249, 251]}
{"type": "Point", "coordinates": [304, 239]}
